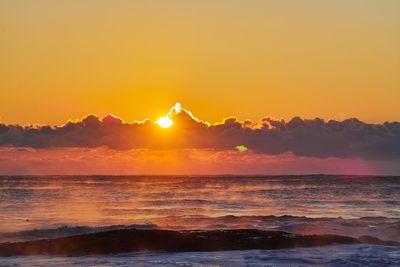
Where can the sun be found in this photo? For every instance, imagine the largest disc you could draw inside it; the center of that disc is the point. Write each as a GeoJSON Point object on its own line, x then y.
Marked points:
{"type": "Point", "coordinates": [164, 122]}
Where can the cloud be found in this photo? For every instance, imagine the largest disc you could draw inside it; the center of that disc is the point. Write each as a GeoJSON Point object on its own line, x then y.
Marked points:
{"type": "Point", "coordinates": [106, 161]}
{"type": "Point", "coordinates": [316, 138]}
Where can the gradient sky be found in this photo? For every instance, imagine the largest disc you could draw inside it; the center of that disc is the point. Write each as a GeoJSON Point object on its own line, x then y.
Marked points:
{"type": "Point", "coordinates": [253, 60]}
{"type": "Point", "coordinates": [331, 59]}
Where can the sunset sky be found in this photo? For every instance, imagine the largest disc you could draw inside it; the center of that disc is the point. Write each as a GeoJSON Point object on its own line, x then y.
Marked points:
{"type": "Point", "coordinates": [335, 60]}
{"type": "Point", "coordinates": [329, 59]}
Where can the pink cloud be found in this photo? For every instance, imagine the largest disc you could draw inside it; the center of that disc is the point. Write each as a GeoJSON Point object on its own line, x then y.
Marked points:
{"type": "Point", "coordinates": [102, 160]}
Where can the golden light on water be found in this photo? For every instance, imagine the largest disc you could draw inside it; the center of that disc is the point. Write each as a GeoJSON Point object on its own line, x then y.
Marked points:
{"type": "Point", "coordinates": [165, 122]}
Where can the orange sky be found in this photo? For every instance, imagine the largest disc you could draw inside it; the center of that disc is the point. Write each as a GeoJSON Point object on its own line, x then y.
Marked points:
{"type": "Point", "coordinates": [332, 59]}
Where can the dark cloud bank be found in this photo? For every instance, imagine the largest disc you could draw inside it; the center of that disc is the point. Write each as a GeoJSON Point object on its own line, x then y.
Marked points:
{"type": "Point", "coordinates": [312, 138]}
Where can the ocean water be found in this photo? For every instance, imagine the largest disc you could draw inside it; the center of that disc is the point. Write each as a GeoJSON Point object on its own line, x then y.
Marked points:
{"type": "Point", "coordinates": [345, 255]}
{"type": "Point", "coordinates": [53, 206]}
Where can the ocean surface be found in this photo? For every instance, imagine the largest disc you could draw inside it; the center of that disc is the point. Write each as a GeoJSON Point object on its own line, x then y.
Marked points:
{"type": "Point", "coordinates": [55, 206]}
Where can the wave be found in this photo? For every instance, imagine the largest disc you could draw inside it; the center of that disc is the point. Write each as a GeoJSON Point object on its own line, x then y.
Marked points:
{"type": "Point", "coordinates": [129, 240]}
{"type": "Point", "coordinates": [380, 227]}
{"type": "Point", "coordinates": [63, 231]}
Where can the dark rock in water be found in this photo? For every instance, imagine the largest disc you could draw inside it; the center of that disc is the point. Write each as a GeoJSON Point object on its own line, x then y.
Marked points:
{"type": "Point", "coordinates": [127, 240]}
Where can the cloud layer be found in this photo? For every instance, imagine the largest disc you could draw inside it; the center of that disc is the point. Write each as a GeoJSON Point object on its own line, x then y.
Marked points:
{"type": "Point", "coordinates": [106, 161]}
{"type": "Point", "coordinates": [350, 138]}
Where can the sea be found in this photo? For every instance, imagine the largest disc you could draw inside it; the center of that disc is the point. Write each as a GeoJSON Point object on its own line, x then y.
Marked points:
{"type": "Point", "coordinates": [45, 207]}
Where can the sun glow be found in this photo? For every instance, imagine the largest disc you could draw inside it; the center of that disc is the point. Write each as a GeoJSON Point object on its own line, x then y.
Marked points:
{"type": "Point", "coordinates": [164, 122]}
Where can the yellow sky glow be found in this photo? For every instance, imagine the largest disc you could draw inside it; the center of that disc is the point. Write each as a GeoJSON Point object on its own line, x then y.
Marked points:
{"type": "Point", "coordinates": [331, 59]}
